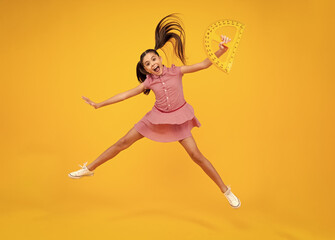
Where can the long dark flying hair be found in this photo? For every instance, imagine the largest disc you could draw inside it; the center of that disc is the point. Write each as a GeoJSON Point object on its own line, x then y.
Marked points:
{"type": "Point", "coordinates": [163, 34]}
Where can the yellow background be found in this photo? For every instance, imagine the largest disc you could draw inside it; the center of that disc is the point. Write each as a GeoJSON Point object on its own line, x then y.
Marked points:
{"type": "Point", "coordinates": [267, 127]}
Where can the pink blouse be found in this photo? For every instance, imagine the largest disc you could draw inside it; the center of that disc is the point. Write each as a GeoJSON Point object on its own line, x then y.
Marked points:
{"type": "Point", "coordinates": [170, 106]}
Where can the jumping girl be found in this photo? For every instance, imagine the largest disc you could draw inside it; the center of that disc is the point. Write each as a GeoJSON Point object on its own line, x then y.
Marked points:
{"type": "Point", "coordinates": [171, 118]}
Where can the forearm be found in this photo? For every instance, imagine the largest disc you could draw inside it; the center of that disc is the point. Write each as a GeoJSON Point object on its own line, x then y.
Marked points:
{"type": "Point", "coordinates": [218, 54]}
{"type": "Point", "coordinates": [117, 98]}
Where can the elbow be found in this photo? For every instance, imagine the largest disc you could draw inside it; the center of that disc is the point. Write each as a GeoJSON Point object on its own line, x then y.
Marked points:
{"type": "Point", "coordinates": [123, 96]}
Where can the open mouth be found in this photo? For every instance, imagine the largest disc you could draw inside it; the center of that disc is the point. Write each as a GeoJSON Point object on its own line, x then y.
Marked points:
{"type": "Point", "coordinates": [156, 69]}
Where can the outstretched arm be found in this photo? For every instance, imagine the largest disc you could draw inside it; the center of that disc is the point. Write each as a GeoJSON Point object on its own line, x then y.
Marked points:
{"type": "Point", "coordinates": [206, 63]}
{"type": "Point", "coordinates": [118, 97]}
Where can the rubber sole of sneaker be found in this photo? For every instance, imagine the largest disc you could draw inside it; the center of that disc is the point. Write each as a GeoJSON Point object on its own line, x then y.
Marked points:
{"type": "Point", "coordinates": [75, 177]}
{"type": "Point", "coordinates": [239, 205]}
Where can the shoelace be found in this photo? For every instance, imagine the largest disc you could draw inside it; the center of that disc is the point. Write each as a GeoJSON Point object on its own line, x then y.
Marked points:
{"type": "Point", "coordinates": [228, 190]}
{"type": "Point", "coordinates": [84, 165]}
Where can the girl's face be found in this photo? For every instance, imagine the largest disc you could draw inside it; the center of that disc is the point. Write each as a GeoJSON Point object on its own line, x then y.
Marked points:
{"type": "Point", "coordinates": [153, 64]}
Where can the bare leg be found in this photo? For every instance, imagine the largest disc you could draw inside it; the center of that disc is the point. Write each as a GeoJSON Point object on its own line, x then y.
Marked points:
{"type": "Point", "coordinates": [124, 142]}
{"type": "Point", "coordinates": [192, 149]}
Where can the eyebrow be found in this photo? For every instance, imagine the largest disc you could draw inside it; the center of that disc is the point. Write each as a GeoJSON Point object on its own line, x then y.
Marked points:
{"type": "Point", "coordinates": [148, 61]}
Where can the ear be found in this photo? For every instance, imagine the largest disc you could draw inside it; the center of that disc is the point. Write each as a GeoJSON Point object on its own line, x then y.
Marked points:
{"type": "Point", "coordinates": [160, 58]}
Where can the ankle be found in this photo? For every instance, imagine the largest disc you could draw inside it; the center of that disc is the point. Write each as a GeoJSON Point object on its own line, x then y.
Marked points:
{"type": "Point", "coordinates": [90, 168]}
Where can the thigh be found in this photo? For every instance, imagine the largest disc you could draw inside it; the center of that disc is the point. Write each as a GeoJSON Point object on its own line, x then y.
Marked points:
{"type": "Point", "coordinates": [190, 146]}
{"type": "Point", "coordinates": [132, 136]}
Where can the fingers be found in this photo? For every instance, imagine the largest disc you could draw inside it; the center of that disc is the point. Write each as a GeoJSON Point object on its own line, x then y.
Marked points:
{"type": "Point", "coordinates": [225, 39]}
{"type": "Point", "coordinates": [85, 98]}
{"type": "Point", "coordinates": [88, 101]}
{"type": "Point", "coordinates": [93, 104]}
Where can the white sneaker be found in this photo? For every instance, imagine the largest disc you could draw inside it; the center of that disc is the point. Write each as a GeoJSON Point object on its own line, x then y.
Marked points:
{"type": "Point", "coordinates": [82, 172]}
{"type": "Point", "coordinates": [232, 199]}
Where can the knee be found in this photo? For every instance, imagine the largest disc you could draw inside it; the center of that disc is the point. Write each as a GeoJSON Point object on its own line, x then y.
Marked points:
{"type": "Point", "coordinates": [123, 143]}
{"type": "Point", "coordinates": [197, 157]}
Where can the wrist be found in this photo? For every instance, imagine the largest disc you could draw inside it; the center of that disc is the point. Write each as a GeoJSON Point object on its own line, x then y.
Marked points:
{"type": "Point", "coordinates": [224, 48]}
{"type": "Point", "coordinates": [220, 52]}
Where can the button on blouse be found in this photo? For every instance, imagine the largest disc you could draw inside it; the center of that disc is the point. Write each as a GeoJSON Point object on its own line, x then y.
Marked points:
{"type": "Point", "coordinates": [167, 87]}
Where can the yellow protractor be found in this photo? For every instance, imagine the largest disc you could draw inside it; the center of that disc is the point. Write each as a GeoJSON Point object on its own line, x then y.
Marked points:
{"type": "Point", "coordinates": [230, 28]}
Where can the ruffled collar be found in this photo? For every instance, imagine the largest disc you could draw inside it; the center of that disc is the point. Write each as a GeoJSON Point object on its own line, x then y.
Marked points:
{"type": "Point", "coordinates": [163, 73]}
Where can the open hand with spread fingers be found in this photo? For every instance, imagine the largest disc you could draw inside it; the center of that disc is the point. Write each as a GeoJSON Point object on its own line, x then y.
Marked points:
{"type": "Point", "coordinates": [225, 40]}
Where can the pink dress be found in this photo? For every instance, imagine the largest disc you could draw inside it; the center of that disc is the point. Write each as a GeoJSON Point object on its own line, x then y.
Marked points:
{"type": "Point", "coordinates": [171, 118]}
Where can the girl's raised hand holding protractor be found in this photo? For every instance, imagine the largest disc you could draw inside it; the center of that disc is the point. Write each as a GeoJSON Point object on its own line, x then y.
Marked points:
{"type": "Point", "coordinates": [225, 39]}
{"type": "Point", "coordinates": [93, 104]}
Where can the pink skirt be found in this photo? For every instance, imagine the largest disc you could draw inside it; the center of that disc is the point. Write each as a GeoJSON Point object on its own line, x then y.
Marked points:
{"type": "Point", "coordinates": [166, 132]}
